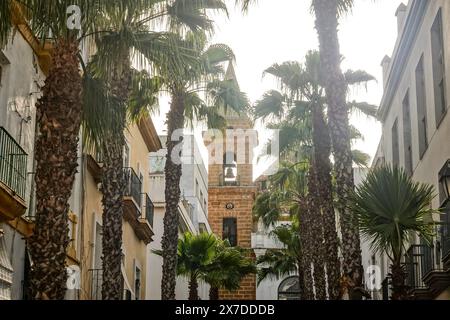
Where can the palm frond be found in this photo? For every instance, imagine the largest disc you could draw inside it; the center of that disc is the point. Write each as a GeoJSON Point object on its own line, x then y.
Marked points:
{"type": "Point", "coordinates": [267, 208]}
{"type": "Point", "coordinates": [143, 98]}
{"type": "Point", "coordinates": [368, 109]}
{"type": "Point", "coordinates": [361, 159]}
{"type": "Point", "coordinates": [278, 263]}
{"type": "Point", "coordinates": [245, 4]}
{"type": "Point", "coordinates": [358, 77]}
{"type": "Point", "coordinates": [390, 207]}
{"type": "Point", "coordinates": [272, 106]}
{"type": "Point", "coordinates": [192, 14]}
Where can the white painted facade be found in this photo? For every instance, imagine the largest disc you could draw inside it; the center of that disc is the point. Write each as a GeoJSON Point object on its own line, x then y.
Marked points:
{"type": "Point", "coordinates": [20, 83]}
{"type": "Point", "coordinates": [192, 213]}
{"type": "Point", "coordinates": [20, 87]}
{"type": "Point", "coordinates": [402, 92]}
{"type": "Point", "coordinates": [262, 240]}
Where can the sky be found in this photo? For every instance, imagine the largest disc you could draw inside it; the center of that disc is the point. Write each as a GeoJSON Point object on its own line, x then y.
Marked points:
{"type": "Point", "coordinates": [274, 31]}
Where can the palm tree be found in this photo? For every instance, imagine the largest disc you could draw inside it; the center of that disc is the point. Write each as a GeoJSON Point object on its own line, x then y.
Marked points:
{"type": "Point", "coordinates": [327, 13]}
{"type": "Point", "coordinates": [58, 121]}
{"type": "Point", "coordinates": [195, 253]}
{"type": "Point", "coordinates": [301, 107]}
{"type": "Point", "coordinates": [391, 208]}
{"type": "Point", "coordinates": [229, 267]}
{"type": "Point", "coordinates": [204, 257]}
{"type": "Point", "coordinates": [184, 85]}
{"type": "Point", "coordinates": [288, 193]}
{"type": "Point", "coordinates": [123, 34]}
{"type": "Point", "coordinates": [278, 263]}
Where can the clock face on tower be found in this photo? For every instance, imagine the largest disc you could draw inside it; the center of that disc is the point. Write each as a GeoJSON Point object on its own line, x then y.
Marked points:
{"type": "Point", "coordinates": [229, 206]}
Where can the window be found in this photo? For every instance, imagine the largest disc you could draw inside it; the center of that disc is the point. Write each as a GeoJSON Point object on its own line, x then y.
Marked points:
{"type": "Point", "coordinates": [197, 189]}
{"type": "Point", "coordinates": [126, 156]}
{"type": "Point", "coordinates": [421, 108]}
{"type": "Point", "coordinates": [407, 140]}
{"type": "Point", "coordinates": [230, 177]}
{"type": "Point", "coordinates": [202, 227]}
{"type": "Point", "coordinates": [395, 147]}
{"type": "Point", "coordinates": [127, 294]}
{"type": "Point", "coordinates": [3, 63]}
{"type": "Point", "coordinates": [289, 289]}
{"type": "Point", "coordinates": [6, 272]}
{"type": "Point", "coordinates": [229, 231]}
{"type": "Point", "coordinates": [137, 283]}
{"type": "Point", "coordinates": [141, 177]}
{"type": "Point", "coordinates": [437, 54]}
{"type": "Point", "coordinates": [264, 185]}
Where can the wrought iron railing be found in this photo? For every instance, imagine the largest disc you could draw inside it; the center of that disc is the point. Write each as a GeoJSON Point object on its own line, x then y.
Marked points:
{"type": "Point", "coordinates": [31, 210]}
{"type": "Point", "coordinates": [386, 288]}
{"type": "Point", "coordinates": [148, 209]}
{"type": "Point", "coordinates": [133, 186]}
{"type": "Point", "coordinates": [419, 261]}
{"type": "Point", "coordinates": [445, 235]}
{"type": "Point", "coordinates": [13, 164]}
{"type": "Point", "coordinates": [96, 281]}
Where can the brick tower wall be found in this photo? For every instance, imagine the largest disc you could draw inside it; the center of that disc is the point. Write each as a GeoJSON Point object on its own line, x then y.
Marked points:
{"type": "Point", "coordinates": [242, 195]}
{"type": "Point", "coordinates": [242, 199]}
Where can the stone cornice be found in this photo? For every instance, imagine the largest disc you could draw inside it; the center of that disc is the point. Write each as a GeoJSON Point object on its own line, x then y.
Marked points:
{"type": "Point", "coordinates": [149, 134]}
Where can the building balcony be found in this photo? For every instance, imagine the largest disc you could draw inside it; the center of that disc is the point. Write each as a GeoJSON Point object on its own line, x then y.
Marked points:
{"type": "Point", "coordinates": [13, 173]}
{"type": "Point", "coordinates": [138, 209]}
{"type": "Point", "coordinates": [94, 165]}
{"type": "Point", "coordinates": [445, 241]}
{"type": "Point", "coordinates": [418, 263]}
{"type": "Point", "coordinates": [132, 195]}
{"type": "Point", "coordinates": [144, 229]}
{"type": "Point", "coordinates": [425, 278]}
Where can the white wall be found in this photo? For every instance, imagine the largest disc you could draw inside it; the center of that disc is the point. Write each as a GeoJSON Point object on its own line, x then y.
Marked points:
{"type": "Point", "coordinates": [154, 266]}
{"type": "Point", "coordinates": [261, 241]}
{"type": "Point", "coordinates": [426, 169]}
{"type": "Point", "coordinates": [21, 80]}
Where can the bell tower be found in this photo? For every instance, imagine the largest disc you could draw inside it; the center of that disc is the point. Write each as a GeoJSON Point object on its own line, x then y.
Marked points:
{"type": "Point", "coordinates": [231, 190]}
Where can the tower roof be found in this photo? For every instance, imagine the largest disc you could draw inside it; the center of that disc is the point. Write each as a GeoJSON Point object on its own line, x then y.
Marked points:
{"type": "Point", "coordinates": [231, 74]}
{"type": "Point", "coordinates": [234, 119]}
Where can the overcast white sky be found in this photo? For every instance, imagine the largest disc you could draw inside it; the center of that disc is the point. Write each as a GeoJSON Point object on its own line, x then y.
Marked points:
{"type": "Point", "coordinates": [281, 30]}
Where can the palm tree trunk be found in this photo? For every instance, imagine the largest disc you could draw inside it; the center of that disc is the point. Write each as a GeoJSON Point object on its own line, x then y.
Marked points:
{"type": "Point", "coordinates": [301, 278]}
{"type": "Point", "coordinates": [306, 257]}
{"type": "Point", "coordinates": [322, 152]}
{"type": "Point", "coordinates": [59, 119]}
{"type": "Point", "coordinates": [213, 293]}
{"type": "Point", "coordinates": [193, 288]}
{"type": "Point", "coordinates": [316, 221]}
{"type": "Point", "coordinates": [175, 120]}
{"type": "Point", "coordinates": [114, 182]}
{"type": "Point", "coordinates": [327, 27]}
{"type": "Point", "coordinates": [399, 289]}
